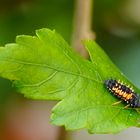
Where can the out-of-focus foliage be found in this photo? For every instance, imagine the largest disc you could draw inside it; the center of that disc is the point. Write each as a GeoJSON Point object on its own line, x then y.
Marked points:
{"type": "Point", "coordinates": [25, 16]}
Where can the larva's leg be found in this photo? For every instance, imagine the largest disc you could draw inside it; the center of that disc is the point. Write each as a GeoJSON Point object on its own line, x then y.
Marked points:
{"type": "Point", "coordinates": [126, 106]}
{"type": "Point", "coordinates": [117, 102]}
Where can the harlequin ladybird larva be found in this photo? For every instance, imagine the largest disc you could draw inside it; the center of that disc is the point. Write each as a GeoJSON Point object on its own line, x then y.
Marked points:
{"type": "Point", "coordinates": [123, 92]}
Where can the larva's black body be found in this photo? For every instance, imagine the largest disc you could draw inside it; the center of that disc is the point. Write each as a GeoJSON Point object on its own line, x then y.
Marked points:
{"type": "Point", "coordinates": [123, 92]}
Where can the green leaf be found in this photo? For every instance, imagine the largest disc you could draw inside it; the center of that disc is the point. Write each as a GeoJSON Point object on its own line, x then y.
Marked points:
{"type": "Point", "coordinates": [45, 67]}
{"type": "Point", "coordinates": [91, 107]}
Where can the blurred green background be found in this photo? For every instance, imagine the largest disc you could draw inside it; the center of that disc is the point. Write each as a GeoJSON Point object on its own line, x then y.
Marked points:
{"type": "Point", "coordinates": [115, 22]}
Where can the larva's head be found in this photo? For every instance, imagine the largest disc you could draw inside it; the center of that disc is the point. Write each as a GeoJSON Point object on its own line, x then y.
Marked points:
{"type": "Point", "coordinates": [110, 83]}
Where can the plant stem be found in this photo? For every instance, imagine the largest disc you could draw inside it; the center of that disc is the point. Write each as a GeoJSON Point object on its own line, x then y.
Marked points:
{"type": "Point", "coordinates": [82, 25]}
{"type": "Point", "coordinates": [63, 134]}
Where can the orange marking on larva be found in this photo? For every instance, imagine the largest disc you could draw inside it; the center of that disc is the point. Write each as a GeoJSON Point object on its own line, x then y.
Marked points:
{"type": "Point", "coordinates": [121, 93]}
{"type": "Point", "coordinates": [114, 88]}
{"type": "Point", "coordinates": [129, 96]}
{"type": "Point", "coordinates": [125, 94]}
{"type": "Point", "coordinates": [118, 91]}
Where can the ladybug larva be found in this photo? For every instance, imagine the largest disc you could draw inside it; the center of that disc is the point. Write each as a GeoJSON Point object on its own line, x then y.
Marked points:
{"type": "Point", "coordinates": [123, 92]}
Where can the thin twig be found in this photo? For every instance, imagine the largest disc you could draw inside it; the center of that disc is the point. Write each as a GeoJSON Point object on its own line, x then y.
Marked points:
{"type": "Point", "coordinates": [82, 25]}
{"type": "Point", "coordinates": [63, 134]}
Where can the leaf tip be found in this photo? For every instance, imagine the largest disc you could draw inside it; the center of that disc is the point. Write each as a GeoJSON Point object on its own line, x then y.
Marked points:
{"type": "Point", "coordinates": [46, 30]}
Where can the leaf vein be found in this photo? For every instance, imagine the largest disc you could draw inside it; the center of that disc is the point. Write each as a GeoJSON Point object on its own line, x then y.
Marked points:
{"type": "Point", "coordinates": [45, 65]}
{"type": "Point", "coordinates": [42, 82]}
